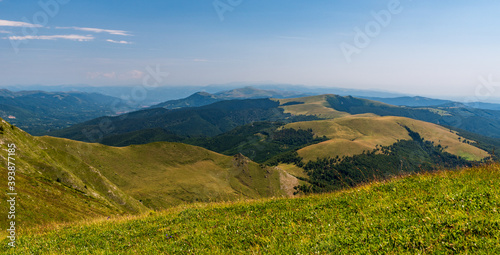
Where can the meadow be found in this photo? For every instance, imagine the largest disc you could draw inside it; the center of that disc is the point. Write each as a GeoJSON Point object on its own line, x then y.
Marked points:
{"type": "Point", "coordinates": [432, 213]}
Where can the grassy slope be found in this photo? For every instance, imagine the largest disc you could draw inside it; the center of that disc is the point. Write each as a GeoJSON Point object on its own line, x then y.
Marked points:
{"type": "Point", "coordinates": [352, 134]}
{"type": "Point", "coordinates": [165, 174]}
{"type": "Point", "coordinates": [42, 199]}
{"type": "Point", "coordinates": [314, 105]}
{"type": "Point", "coordinates": [64, 180]}
{"type": "Point", "coordinates": [444, 212]}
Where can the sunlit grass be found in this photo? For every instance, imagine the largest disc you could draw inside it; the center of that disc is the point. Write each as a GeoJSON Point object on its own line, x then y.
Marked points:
{"type": "Point", "coordinates": [444, 212]}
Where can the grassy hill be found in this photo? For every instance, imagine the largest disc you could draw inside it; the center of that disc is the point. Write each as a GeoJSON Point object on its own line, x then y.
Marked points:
{"type": "Point", "coordinates": [480, 121]}
{"type": "Point", "coordinates": [354, 134]}
{"type": "Point", "coordinates": [447, 212]}
{"type": "Point", "coordinates": [63, 180]}
{"type": "Point", "coordinates": [313, 105]}
{"type": "Point", "coordinates": [159, 124]}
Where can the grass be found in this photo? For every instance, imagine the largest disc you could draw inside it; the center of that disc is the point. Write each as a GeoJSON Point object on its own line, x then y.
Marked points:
{"type": "Point", "coordinates": [439, 213]}
{"type": "Point", "coordinates": [60, 180]}
{"type": "Point", "coordinates": [163, 174]}
{"type": "Point", "coordinates": [352, 135]}
{"type": "Point", "coordinates": [314, 105]}
{"type": "Point", "coordinates": [42, 199]}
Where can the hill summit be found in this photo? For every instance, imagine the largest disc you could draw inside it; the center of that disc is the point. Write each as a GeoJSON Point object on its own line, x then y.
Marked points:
{"type": "Point", "coordinates": [64, 180]}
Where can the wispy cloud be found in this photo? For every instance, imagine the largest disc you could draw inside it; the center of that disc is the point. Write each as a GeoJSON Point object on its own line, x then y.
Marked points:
{"type": "Point", "coordinates": [80, 38]}
{"type": "Point", "coordinates": [98, 30]}
{"type": "Point", "coordinates": [4, 31]}
{"type": "Point", "coordinates": [120, 42]}
{"type": "Point", "coordinates": [9, 23]}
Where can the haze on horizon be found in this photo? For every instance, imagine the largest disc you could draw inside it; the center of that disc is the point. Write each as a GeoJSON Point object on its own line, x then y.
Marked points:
{"type": "Point", "coordinates": [417, 47]}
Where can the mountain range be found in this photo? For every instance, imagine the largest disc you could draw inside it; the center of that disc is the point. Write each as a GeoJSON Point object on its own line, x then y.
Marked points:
{"type": "Point", "coordinates": [205, 98]}
{"type": "Point", "coordinates": [233, 149]}
{"type": "Point", "coordinates": [38, 111]}
{"type": "Point", "coordinates": [157, 124]}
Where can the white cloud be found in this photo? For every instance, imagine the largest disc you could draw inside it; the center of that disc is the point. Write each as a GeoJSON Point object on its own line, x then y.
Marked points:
{"type": "Point", "coordinates": [4, 31]}
{"type": "Point", "coordinates": [9, 23]}
{"type": "Point", "coordinates": [119, 42]}
{"type": "Point", "coordinates": [98, 30]}
{"type": "Point", "coordinates": [80, 38]}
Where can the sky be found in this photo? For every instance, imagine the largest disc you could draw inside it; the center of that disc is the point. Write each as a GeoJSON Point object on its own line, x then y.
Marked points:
{"type": "Point", "coordinates": [423, 47]}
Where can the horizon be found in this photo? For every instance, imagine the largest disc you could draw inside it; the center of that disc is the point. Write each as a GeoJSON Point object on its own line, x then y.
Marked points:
{"type": "Point", "coordinates": [409, 47]}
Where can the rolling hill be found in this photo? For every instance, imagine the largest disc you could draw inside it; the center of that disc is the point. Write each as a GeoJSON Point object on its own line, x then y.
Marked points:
{"type": "Point", "coordinates": [354, 134]}
{"type": "Point", "coordinates": [159, 124]}
{"type": "Point", "coordinates": [484, 122]}
{"type": "Point", "coordinates": [221, 127]}
{"type": "Point", "coordinates": [64, 180]}
{"type": "Point", "coordinates": [440, 213]}
{"type": "Point", "coordinates": [38, 112]}
{"type": "Point", "coordinates": [209, 120]}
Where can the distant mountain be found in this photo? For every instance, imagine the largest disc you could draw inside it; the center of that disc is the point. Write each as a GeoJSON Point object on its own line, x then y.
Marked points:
{"type": "Point", "coordinates": [424, 101]}
{"type": "Point", "coordinates": [204, 98]}
{"type": "Point", "coordinates": [180, 125]}
{"type": "Point", "coordinates": [158, 95]}
{"type": "Point", "coordinates": [208, 120]}
{"type": "Point", "coordinates": [252, 93]}
{"type": "Point", "coordinates": [410, 101]}
{"type": "Point", "coordinates": [38, 112]}
{"type": "Point", "coordinates": [486, 106]}
{"type": "Point", "coordinates": [195, 100]}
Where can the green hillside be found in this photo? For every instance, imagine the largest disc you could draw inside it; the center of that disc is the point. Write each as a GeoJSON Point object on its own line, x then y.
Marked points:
{"type": "Point", "coordinates": [63, 180]}
{"type": "Point", "coordinates": [179, 125]}
{"type": "Point", "coordinates": [161, 175]}
{"type": "Point", "coordinates": [311, 106]}
{"type": "Point", "coordinates": [209, 120]}
{"type": "Point", "coordinates": [480, 121]}
{"type": "Point", "coordinates": [450, 212]}
{"type": "Point", "coordinates": [357, 133]}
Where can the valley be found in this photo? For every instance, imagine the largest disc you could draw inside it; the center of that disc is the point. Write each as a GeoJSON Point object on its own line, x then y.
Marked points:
{"type": "Point", "coordinates": [147, 164]}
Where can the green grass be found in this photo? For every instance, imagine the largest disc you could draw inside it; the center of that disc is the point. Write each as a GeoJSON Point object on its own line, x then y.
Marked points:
{"type": "Point", "coordinates": [60, 180]}
{"type": "Point", "coordinates": [352, 135]}
{"type": "Point", "coordinates": [313, 105]}
{"type": "Point", "coordinates": [440, 213]}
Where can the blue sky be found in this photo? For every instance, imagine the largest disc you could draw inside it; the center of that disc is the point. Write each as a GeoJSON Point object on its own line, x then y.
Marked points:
{"type": "Point", "coordinates": [423, 47]}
